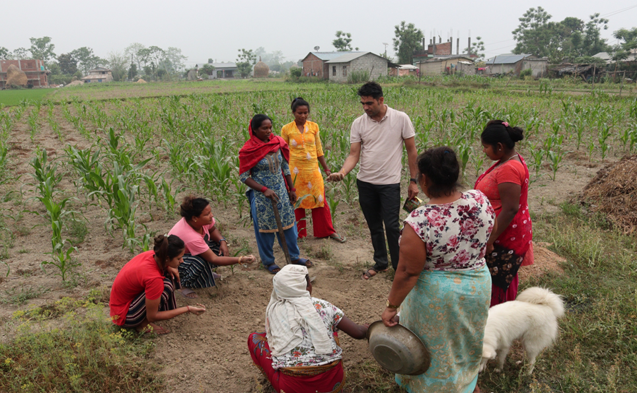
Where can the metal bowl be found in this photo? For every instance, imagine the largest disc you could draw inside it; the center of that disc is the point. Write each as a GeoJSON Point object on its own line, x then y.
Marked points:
{"type": "Point", "coordinates": [398, 349]}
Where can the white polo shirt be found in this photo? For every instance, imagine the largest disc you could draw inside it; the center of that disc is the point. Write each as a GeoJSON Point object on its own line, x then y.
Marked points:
{"type": "Point", "coordinates": [381, 145]}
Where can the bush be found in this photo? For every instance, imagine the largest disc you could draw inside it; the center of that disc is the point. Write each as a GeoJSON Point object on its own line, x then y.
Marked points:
{"type": "Point", "coordinates": [525, 73]}
{"type": "Point", "coordinates": [296, 72]}
{"type": "Point", "coordinates": [358, 76]}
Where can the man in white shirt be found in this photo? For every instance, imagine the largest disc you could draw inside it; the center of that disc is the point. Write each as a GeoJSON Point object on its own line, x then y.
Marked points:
{"type": "Point", "coordinates": [376, 140]}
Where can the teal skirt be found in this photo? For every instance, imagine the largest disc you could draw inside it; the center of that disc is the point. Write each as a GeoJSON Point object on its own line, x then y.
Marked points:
{"type": "Point", "coordinates": [448, 311]}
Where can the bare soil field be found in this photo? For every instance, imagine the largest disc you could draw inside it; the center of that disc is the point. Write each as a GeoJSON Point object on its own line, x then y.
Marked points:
{"type": "Point", "coordinates": [208, 353]}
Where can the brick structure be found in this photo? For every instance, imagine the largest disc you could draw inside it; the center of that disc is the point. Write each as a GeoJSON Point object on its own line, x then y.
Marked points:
{"type": "Point", "coordinates": [315, 63]}
{"type": "Point", "coordinates": [35, 70]}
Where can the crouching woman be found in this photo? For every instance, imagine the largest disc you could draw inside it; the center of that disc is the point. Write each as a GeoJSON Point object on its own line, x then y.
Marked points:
{"type": "Point", "coordinates": [143, 291]}
{"type": "Point", "coordinates": [299, 351]}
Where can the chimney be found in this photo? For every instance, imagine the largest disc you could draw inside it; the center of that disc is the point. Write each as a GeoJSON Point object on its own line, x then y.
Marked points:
{"type": "Point", "coordinates": [458, 46]}
{"type": "Point", "coordinates": [451, 45]}
{"type": "Point", "coordinates": [469, 47]}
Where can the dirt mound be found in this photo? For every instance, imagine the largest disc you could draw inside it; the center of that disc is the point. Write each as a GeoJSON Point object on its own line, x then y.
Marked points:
{"type": "Point", "coordinates": [76, 83]}
{"type": "Point", "coordinates": [544, 261]}
{"type": "Point", "coordinates": [16, 77]}
{"type": "Point", "coordinates": [141, 81]}
{"type": "Point", "coordinates": [614, 192]}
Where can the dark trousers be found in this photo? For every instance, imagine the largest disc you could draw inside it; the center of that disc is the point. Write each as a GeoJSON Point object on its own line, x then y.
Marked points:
{"type": "Point", "coordinates": [381, 204]}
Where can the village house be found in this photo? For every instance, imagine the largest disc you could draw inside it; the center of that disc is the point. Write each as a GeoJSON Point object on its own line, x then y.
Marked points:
{"type": "Point", "coordinates": [514, 64]}
{"type": "Point", "coordinates": [35, 71]}
{"type": "Point", "coordinates": [448, 64]}
{"type": "Point", "coordinates": [403, 70]}
{"type": "Point", "coordinates": [315, 63]}
{"type": "Point", "coordinates": [224, 70]}
{"type": "Point", "coordinates": [98, 75]}
{"type": "Point", "coordinates": [342, 66]}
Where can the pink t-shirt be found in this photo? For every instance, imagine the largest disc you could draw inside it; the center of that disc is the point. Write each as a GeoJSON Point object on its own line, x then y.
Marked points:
{"type": "Point", "coordinates": [194, 241]}
{"type": "Point", "coordinates": [381, 146]}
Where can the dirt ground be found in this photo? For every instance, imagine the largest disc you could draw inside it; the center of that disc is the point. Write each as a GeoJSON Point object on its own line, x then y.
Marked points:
{"type": "Point", "coordinates": [208, 353]}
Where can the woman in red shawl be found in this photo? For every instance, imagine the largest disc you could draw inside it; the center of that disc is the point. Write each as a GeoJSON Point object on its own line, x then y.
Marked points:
{"type": "Point", "coordinates": [263, 166]}
{"type": "Point", "coordinates": [506, 184]}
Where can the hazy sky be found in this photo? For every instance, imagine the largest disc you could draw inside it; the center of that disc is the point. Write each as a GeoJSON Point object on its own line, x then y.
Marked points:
{"type": "Point", "coordinates": [217, 29]}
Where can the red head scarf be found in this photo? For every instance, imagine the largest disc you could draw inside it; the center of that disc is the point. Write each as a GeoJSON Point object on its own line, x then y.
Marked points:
{"type": "Point", "coordinates": [255, 149]}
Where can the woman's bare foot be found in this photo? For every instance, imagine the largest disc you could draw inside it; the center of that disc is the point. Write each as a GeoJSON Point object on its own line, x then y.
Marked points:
{"type": "Point", "coordinates": [188, 293]}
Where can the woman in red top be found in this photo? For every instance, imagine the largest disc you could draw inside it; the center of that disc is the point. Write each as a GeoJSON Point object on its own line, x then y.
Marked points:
{"type": "Point", "coordinates": [506, 184]}
{"type": "Point", "coordinates": [143, 291]}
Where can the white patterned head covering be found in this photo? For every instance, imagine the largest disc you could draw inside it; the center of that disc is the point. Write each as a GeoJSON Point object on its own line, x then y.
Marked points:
{"type": "Point", "coordinates": [291, 308]}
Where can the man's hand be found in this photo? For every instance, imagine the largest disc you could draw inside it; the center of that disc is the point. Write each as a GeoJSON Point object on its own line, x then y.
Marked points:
{"type": "Point", "coordinates": [293, 198]}
{"type": "Point", "coordinates": [412, 190]}
{"type": "Point", "coordinates": [338, 176]}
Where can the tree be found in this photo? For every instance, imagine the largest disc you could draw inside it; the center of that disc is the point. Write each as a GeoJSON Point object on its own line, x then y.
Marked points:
{"type": "Point", "coordinates": [173, 61]}
{"type": "Point", "coordinates": [207, 69]}
{"type": "Point", "coordinates": [245, 60]}
{"type": "Point", "coordinates": [408, 40]}
{"type": "Point", "coordinates": [534, 33]}
{"type": "Point", "coordinates": [117, 62]}
{"type": "Point", "coordinates": [342, 43]}
{"type": "Point", "coordinates": [132, 71]}
{"type": "Point", "coordinates": [67, 63]}
{"type": "Point", "coordinates": [477, 48]}
{"type": "Point", "coordinates": [151, 56]}
{"type": "Point", "coordinates": [132, 51]}
{"type": "Point", "coordinates": [42, 49]}
{"type": "Point", "coordinates": [4, 53]}
{"type": "Point", "coordinates": [559, 41]}
{"type": "Point", "coordinates": [20, 54]}
{"type": "Point", "coordinates": [86, 59]}
{"type": "Point", "coordinates": [628, 42]}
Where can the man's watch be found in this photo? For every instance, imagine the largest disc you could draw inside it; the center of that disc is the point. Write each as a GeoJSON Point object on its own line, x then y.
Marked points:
{"type": "Point", "coordinates": [223, 240]}
{"type": "Point", "coordinates": [413, 180]}
{"type": "Point", "coordinates": [389, 305]}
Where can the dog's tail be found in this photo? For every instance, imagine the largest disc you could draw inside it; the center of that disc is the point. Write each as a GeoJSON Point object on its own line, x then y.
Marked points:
{"type": "Point", "coordinates": [543, 296]}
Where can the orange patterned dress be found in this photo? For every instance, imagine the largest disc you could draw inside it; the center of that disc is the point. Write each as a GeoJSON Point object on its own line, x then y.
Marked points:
{"type": "Point", "coordinates": [305, 148]}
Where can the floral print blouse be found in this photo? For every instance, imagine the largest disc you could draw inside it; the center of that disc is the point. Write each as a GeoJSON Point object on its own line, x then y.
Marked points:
{"type": "Point", "coordinates": [456, 233]}
{"type": "Point", "coordinates": [303, 354]}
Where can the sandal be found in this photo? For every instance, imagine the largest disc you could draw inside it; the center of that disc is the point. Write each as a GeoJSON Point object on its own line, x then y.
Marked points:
{"type": "Point", "coordinates": [367, 275]}
{"type": "Point", "coordinates": [273, 268]}
{"type": "Point", "coordinates": [338, 238]}
{"type": "Point", "coordinates": [188, 293]}
{"type": "Point", "coordinates": [303, 262]}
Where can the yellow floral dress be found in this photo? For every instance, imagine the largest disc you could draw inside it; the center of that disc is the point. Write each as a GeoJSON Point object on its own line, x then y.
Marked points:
{"type": "Point", "coordinates": [305, 148]}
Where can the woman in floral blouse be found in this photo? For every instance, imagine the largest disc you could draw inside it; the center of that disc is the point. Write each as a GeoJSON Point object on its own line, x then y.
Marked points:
{"type": "Point", "coordinates": [299, 351]}
{"type": "Point", "coordinates": [442, 281]}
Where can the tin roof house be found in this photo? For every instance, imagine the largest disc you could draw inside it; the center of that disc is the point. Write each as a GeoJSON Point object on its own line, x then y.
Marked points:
{"type": "Point", "coordinates": [510, 63]}
{"type": "Point", "coordinates": [338, 66]}
{"type": "Point", "coordinates": [98, 75]}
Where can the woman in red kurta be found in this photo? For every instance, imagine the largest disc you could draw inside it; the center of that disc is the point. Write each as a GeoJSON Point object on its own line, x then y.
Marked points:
{"type": "Point", "coordinates": [506, 184]}
{"type": "Point", "coordinates": [143, 291]}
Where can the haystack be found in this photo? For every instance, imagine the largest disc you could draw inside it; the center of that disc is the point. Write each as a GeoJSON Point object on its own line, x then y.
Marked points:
{"type": "Point", "coordinates": [614, 192]}
{"type": "Point", "coordinates": [140, 80]}
{"type": "Point", "coordinates": [16, 77]}
{"type": "Point", "coordinates": [261, 70]}
{"type": "Point", "coordinates": [75, 83]}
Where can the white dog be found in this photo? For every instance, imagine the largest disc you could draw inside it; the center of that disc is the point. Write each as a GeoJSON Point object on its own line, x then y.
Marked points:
{"type": "Point", "coordinates": [531, 317]}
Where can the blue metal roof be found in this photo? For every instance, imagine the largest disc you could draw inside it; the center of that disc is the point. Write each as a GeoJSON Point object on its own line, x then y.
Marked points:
{"type": "Point", "coordinates": [325, 56]}
{"type": "Point", "coordinates": [507, 58]}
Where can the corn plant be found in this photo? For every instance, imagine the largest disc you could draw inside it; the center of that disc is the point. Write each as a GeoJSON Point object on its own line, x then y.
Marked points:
{"type": "Point", "coordinates": [61, 251]}
{"type": "Point", "coordinates": [603, 135]}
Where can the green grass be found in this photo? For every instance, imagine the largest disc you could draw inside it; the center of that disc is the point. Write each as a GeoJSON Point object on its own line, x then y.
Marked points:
{"type": "Point", "coordinates": [87, 354]}
{"type": "Point", "coordinates": [15, 97]}
{"type": "Point", "coordinates": [597, 347]}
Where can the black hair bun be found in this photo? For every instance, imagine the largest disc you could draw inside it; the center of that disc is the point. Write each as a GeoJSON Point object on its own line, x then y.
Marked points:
{"type": "Point", "coordinates": [515, 133]}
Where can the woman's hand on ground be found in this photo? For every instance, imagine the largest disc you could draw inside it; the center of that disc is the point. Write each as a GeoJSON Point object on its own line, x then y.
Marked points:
{"type": "Point", "coordinates": [338, 176]}
{"type": "Point", "coordinates": [223, 247]}
{"type": "Point", "coordinates": [389, 317]}
{"type": "Point", "coordinates": [248, 259]}
{"type": "Point", "coordinates": [271, 195]}
{"type": "Point", "coordinates": [197, 309]}
{"type": "Point", "coordinates": [292, 196]}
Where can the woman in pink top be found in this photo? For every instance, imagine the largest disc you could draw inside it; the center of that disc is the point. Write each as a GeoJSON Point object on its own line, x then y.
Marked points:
{"type": "Point", "coordinates": [205, 247]}
{"type": "Point", "coordinates": [143, 291]}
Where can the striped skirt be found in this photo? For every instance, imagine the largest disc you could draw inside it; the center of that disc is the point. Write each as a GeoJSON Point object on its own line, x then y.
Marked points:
{"type": "Point", "coordinates": [137, 310]}
{"type": "Point", "coordinates": [196, 272]}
